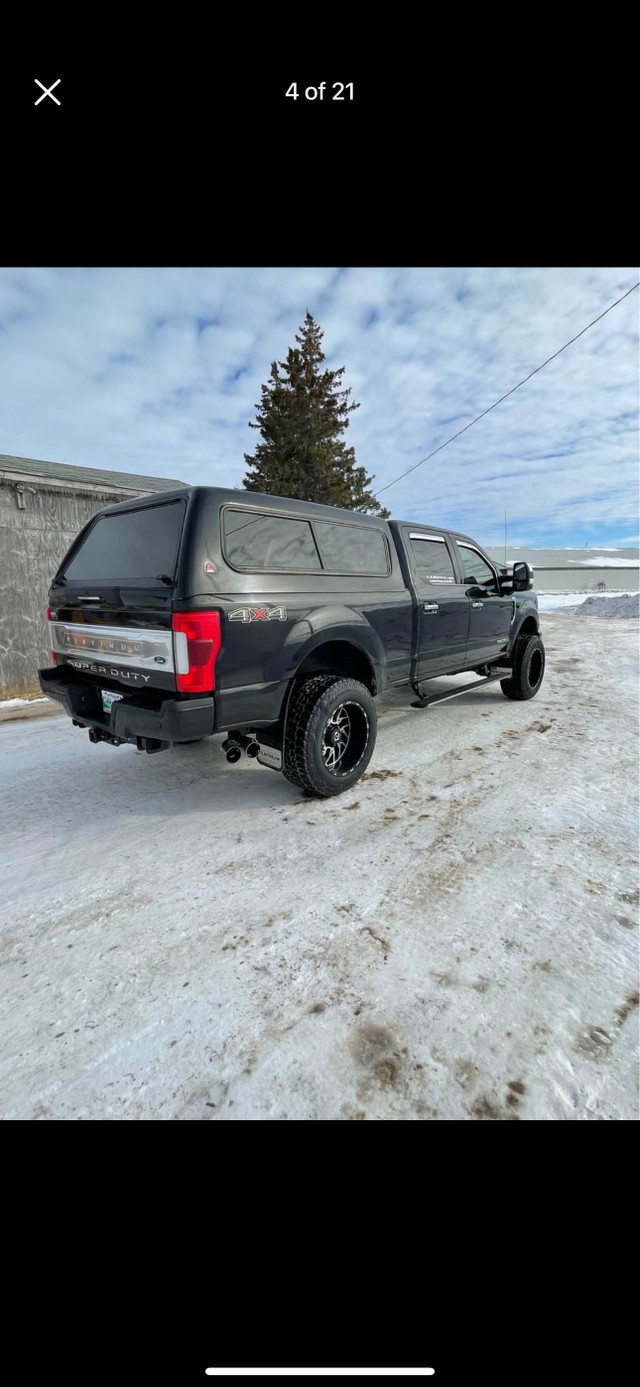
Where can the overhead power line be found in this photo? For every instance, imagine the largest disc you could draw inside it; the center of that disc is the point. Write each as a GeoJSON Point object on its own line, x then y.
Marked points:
{"type": "Point", "coordinates": [509, 392]}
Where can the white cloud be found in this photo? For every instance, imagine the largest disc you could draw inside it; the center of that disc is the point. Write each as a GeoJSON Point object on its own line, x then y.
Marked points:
{"type": "Point", "coordinates": [158, 371]}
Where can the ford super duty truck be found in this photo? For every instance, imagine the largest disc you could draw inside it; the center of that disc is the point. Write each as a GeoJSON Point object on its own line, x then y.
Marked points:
{"type": "Point", "coordinates": [276, 622]}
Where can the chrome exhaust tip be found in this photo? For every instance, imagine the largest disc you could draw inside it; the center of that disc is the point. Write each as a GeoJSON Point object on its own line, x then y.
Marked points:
{"type": "Point", "coordinates": [253, 749]}
{"type": "Point", "coordinates": [232, 751]}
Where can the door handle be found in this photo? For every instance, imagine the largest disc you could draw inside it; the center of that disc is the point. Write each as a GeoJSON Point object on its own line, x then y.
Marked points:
{"type": "Point", "coordinates": [430, 607]}
{"type": "Point", "coordinates": [477, 604]}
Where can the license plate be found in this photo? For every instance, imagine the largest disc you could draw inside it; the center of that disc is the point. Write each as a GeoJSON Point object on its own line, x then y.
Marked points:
{"type": "Point", "coordinates": [108, 698]}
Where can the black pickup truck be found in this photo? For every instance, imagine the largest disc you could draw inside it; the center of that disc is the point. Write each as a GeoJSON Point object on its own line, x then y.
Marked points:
{"type": "Point", "coordinates": [276, 622]}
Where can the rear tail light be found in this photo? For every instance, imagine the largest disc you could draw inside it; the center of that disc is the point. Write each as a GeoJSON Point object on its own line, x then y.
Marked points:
{"type": "Point", "coordinates": [54, 657]}
{"type": "Point", "coordinates": [196, 641]}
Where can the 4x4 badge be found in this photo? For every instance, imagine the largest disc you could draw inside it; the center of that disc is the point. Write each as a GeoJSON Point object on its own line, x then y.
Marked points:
{"type": "Point", "coordinates": [258, 614]}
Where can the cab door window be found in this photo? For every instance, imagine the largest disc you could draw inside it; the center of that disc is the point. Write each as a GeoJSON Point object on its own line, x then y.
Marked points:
{"type": "Point", "coordinates": [476, 570]}
{"type": "Point", "coordinates": [432, 560]}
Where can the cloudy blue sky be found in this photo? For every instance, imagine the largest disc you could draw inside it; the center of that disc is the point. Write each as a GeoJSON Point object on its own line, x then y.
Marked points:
{"type": "Point", "coordinates": [158, 371]}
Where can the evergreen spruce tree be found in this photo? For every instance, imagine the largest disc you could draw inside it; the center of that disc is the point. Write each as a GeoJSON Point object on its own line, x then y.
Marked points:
{"type": "Point", "coordinates": [302, 415]}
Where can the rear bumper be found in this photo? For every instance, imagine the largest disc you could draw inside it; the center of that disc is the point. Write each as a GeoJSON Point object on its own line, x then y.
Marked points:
{"type": "Point", "coordinates": [171, 720]}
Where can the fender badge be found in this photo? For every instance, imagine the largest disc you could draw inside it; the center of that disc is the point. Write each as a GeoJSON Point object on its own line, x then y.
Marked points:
{"type": "Point", "coordinates": [258, 614]}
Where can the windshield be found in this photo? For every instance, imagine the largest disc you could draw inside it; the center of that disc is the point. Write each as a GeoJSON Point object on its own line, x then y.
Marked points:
{"type": "Point", "coordinates": [131, 545]}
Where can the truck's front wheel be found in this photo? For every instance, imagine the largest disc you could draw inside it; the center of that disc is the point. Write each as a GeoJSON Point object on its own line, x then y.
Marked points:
{"type": "Point", "coordinates": [528, 669]}
{"type": "Point", "coordinates": [330, 734]}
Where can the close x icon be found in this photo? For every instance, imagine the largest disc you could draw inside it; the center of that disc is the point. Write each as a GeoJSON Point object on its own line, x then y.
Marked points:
{"type": "Point", "coordinates": [258, 614]}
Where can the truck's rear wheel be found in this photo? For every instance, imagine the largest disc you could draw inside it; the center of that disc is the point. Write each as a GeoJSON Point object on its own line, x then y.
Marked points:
{"type": "Point", "coordinates": [330, 734]}
{"type": "Point", "coordinates": [528, 668]}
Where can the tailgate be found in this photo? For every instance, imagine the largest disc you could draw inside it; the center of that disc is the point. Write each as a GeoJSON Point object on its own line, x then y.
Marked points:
{"type": "Point", "coordinates": [112, 598]}
{"type": "Point", "coordinates": [127, 656]}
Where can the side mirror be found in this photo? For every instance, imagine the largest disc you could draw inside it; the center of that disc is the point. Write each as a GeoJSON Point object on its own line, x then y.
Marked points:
{"type": "Point", "coordinates": [522, 577]}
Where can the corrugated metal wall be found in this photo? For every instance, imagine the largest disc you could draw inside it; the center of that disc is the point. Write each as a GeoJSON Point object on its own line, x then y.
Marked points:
{"type": "Point", "coordinates": [32, 543]}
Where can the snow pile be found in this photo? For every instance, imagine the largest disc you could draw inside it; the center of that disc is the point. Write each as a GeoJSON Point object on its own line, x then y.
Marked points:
{"type": "Point", "coordinates": [567, 603]}
{"type": "Point", "coordinates": [619, 604]}
{"type": "Point", "coordinates": [20, 702]}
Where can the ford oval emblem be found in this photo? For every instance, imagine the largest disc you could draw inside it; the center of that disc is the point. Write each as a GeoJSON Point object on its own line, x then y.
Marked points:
{"type": "Point", "coordinates": [159, 659]}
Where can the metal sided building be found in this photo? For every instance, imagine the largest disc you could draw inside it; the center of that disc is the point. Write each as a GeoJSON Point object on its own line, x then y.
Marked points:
{"type": "Point", "coordinates": [43, 505]}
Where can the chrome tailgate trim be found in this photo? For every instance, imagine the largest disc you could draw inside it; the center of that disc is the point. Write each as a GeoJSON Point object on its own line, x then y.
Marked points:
{"type": "Point", "coordinates": [131, 647]}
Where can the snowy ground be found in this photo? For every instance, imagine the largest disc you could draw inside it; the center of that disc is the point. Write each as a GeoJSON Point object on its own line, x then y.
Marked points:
{"type": "Point", "coordinates": [453, 939]}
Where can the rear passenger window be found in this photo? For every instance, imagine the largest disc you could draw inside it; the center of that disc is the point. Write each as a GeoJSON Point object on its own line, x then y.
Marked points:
{"type": "Point", "coordinates": [268, 541]}
{"type": "Point", "coordinates": [433, 562]}
{"type": "Point", "coordinates": [351, 548]}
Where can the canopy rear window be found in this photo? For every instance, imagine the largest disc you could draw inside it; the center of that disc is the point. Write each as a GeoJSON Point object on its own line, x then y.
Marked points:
{"type": "Point", "coordinates": [130, 546]}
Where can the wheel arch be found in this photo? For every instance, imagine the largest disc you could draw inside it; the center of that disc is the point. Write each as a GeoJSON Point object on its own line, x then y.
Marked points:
{"type": "Point", "coordinates": [529, 626]}
{"type": "Point", "coordinates": [340, 655]}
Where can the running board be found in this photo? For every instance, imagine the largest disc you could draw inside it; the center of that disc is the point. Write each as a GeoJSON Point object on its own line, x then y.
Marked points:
{"type": "Point", "coordinates": [426, 702]}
